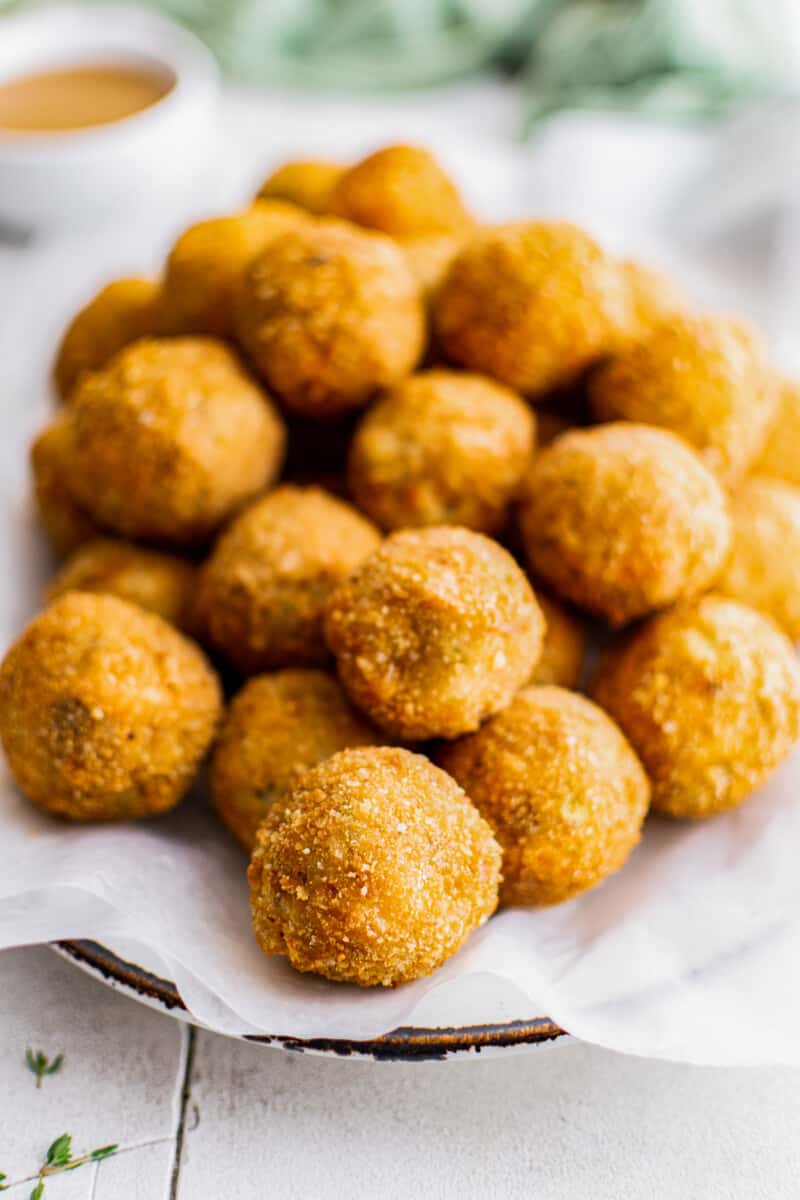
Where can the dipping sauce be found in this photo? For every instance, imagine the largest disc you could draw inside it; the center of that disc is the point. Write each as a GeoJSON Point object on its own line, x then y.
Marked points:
{"type": "Point", "coordinates": [79, 97]}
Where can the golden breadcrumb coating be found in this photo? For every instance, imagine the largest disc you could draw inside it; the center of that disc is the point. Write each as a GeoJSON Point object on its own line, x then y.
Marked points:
{"type": "Point", "coordinates": [442, 448]}
{"type": "Point", "coordinates": [709, 696]}
{"type": "Point", "coordinates": [623, 519]}
{"type": "Point", "coordinates": [169, 439]}
{"type": "Point", "coordinates": [763, 565]}
{"type": "Point", "coordinates": [561, 788]}
{"type": "Point", "coordinates": [329, 315]}
{"type": "Point", "coordinates": [66, 524]}
{"type": "Point", "coordinates": [121, 313]}
{"type": "Point", "coordinates": [652, 297]}
{"type": "Point", "coordinates": [263, 592]}
{"type": "Point", "coordinates": [429, 255]}
{"type": "Point", "coordinates": [703, 377]}
{"type": "Point", "coordinates": [277, 727]}
{"type": "Point", "coordinates": [373, 871]}
{"type": "Point", "coordinates": [533, 304]}
{"type": "Point", "coordinates": [204, 270]}
{"type": "Point", "coordinates": [781, 454]}
{"type": "Point", "coordinates": [306, 183]}
{"type": "Point", "coordinates": [160, 583]}
{"type": "Point", "coordinates": [106, 711]}
{"type": "Point", "coordinates": [434, 632]}
{"type": "Point", "coordinates": [402, 191]}
{"type": "Point", "coordinates": [564, 645]}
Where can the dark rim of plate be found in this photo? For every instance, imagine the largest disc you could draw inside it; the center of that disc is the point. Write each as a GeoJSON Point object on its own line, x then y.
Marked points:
{"type": "Point", "coordinates": [407, 1043]}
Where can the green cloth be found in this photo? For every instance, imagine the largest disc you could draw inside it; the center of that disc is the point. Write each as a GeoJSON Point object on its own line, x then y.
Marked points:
{"type": "Point", "coordinates": [684, 58]}
{"type": "Point", "coordinates": [673, 58]}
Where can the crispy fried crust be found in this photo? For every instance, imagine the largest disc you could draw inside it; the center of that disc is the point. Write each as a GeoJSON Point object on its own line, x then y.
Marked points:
{"type": "Point", "coordinates": [159, 583]}
{"type": "Point", "coordinates": [702, 377]}
{"type": "Point", "coordinates": [204, 270]}
{"type": "Point", "coordinates": [169, 439]}
{"type": "Point", "coordinates": [329, 315]}
{"type": "Point", "coordinates": [277, 727]}
{"type": "Point", "coordinates": [434, 631]}
{"type": "Point", "coordinates": [263, 592]}
{"type": "Point", "coordinates": [106, 711]}
{"type": "Point", "coordinates": [653, 298]}
{"type": "Point", "coordinates": [763, 566]}
{"type": "Point", "coordinates": [709, 696]}
{"type": "Point", "coordinates": [306, 183]}
{"type": "Point", "coordinates": [623, 519]}
{"type": "Point", "coordinates": [374, 871]}
{"type": "Point", "coordinates": [561, 788]}
{"type": "Point", "coordinates": [781, 455]}
{"type": "Point", "coordinates": [564, 645]}
{"type": "Point", "coordinates": [533, 304]}
{"type": "Point", "coordinates": [442, 448]}
{"type": "Point", "coordinates": [66, 524]}
{"type": "Point", "coordinates": [429, 255]}
{"type": "Point", "coordinates": [121, 313]}
{"type": "Point", "coordinates": [402, 191]}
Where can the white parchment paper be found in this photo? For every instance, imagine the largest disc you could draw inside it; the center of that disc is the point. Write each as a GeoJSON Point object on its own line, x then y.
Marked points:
{"type": "Point", "coordinates": [692, 952]}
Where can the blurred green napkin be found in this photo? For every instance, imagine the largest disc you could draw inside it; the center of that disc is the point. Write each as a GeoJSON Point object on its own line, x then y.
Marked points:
{"type": "Point", "coordinates": [684, 58]}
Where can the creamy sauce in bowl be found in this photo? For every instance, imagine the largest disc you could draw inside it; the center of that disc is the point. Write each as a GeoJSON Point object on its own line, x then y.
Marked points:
{"type": "Point", "coordinates": [79, 96]}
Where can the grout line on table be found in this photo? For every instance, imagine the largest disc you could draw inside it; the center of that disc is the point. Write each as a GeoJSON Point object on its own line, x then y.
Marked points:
{"type": "Point", "coordinates": [186, 1087]}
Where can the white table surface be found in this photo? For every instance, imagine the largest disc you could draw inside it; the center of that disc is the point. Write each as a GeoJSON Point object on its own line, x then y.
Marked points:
{"type": "Point", "coordinates": [196, 1115]}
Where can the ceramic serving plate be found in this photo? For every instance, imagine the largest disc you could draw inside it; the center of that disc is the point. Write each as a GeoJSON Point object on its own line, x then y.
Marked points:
{"type": "Point", "coordinates": [405, 1044]}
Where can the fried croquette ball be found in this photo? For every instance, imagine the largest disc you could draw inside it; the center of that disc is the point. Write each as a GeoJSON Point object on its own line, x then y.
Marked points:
{"type": "Point", "coordinates": [204, 270]}
{"type": "Point", "coordinates": [561, 788]}
{"type": "Point", "coordinates": [66, 524]}
{"type": "Point", "coordinates": [106, 711]}
{"type": "Point", "coordinates": [160, 583]}
{"type": "Point", "coordinates": [781, 455]}
{"type": "Point", "coordinates": [402, 191]}
{"type": "Point", "coordinates": [442, 448]}
{"type": "Point", "coordinates": [708, 694]}
{"type": "Point", "coordinates": [329, 315]}
{"type": "Point", "coordinates": [763, 565]}
{"type": "Point", "coordinates": [121, 313]}
{"type": "Point", "coordinates": [308, 184]}
{"type": "Point", "coordinates": [564, 645]}
{"type": "Point", "coordinates": [373, 871]}
{"type": "Point", "coordinates": [531, 304]}
{"type": "Point", "coordinates": [169, 439]}
{"type": "Point", "coordinates": [652, 298]}
{"type": "Point", "coordinates": [434, 632]}
{"type": "Point", "coordinates": [263, 591]}
{"type": "Point", "coordinates": [702, 377]}
{"type": "Point", "coordinates": [276, 728]}
{"type": "Point", "coordinates": [429, 257]}
{"type": "Point", "coordinates": [623, 519]}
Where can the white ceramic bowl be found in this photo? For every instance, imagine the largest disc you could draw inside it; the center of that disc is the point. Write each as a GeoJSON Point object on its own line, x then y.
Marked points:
{"type": "Point", "coordinates": [78, 176]}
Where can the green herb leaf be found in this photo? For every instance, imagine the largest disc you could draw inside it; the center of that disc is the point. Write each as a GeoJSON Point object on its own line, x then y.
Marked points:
{"type": "Point", "coordinates": [104, 1151]}
{"type": "Point", "coordinates": [38, 1191]}
{"type": "Point", "coordinates": [60, 1152]}
{"type": "Point", "coordinates": [39, 1064]}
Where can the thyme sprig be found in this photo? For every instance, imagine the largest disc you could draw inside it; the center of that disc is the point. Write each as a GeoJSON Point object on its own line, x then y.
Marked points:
{"type": "Point", "coordinates": [59, 1158]}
